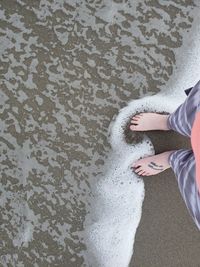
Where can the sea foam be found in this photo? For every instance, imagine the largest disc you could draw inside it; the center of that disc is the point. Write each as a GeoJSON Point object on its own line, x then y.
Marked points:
{"type": "Point", "coordinates": [118, 195]}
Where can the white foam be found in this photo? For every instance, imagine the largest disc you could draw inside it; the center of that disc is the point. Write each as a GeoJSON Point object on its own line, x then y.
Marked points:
{"type": "Point", "coordinates": [118, 195]}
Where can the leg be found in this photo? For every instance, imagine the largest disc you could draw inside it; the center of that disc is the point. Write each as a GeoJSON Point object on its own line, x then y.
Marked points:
{"type": "Point", "coordinates": [181, 120]}
{"type": "Point", "coordinates": [183, 164]}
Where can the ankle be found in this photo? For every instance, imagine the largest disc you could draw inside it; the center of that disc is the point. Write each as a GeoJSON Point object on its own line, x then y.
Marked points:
{"type": "Point", "coordinates": [168, 154]}
{"type": "Point", "coordinates": [163, 122]}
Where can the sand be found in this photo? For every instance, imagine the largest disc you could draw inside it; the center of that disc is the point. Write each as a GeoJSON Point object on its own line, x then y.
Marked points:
{"type": "Point", "coordinates": [167, 235]}
{"type": "Point", "coordinates": [67, 68]}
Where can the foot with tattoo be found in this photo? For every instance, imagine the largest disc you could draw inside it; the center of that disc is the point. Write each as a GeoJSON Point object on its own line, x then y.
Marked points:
{"type": "Point", "coordinates": [152, 165]}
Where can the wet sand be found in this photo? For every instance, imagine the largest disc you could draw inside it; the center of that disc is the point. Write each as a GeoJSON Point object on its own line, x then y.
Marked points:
{"type": "Point", "coordinates": [167, 235]}
{"type": "Point", "coordinates": [67, 68]}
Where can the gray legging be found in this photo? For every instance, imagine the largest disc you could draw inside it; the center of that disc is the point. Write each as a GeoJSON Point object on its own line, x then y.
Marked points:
{"type": "Point", "coordinates": [182, 161]}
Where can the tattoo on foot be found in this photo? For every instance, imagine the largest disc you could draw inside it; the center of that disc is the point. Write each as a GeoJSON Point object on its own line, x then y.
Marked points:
{"type": "Point", "coordinates": [154, 166]}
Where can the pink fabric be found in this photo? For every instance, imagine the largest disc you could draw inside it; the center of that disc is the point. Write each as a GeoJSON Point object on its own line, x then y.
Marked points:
{"type": "Point", "coordinates": [195, 142]}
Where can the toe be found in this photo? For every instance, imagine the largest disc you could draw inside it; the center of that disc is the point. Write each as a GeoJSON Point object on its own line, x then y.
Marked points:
{"type": "Point", "coordinates": [138, 169]}
{"type": "Point", "coordinates": [137, 116]}
{"type": "Point", "coordinates": [134, 119]}
{"type": "Point", "coordinates": [141, 172]}
{"type": "Point", "coordinates": [137, 164]}
{"type": "Point", "coordinates": [132, 127]}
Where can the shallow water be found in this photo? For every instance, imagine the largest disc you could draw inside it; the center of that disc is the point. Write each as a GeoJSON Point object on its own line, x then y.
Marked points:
{"type": "Point", "coordinates": [67, 68]}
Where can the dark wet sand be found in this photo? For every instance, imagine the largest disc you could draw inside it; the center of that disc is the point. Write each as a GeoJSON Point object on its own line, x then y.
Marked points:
{"type": "Point", "coordinates": [166, 235]}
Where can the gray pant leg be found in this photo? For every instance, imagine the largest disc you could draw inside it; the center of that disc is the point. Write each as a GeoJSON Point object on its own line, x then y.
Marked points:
{"type": "Point", "coordinates": [183, 164]}
{"type": "Point", "coordinates": [181, 120]}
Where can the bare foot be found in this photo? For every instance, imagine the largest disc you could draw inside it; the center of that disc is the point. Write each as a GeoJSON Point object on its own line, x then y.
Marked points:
{"type": "Point", "coordinates": [152, 165]}
{"type": "Point", "coordinates": [149, 121]}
